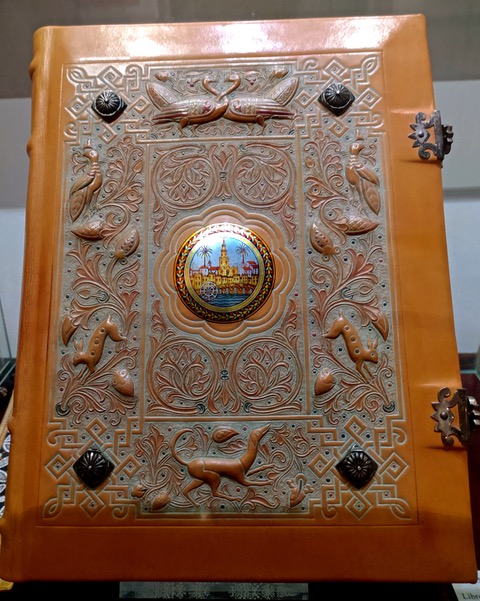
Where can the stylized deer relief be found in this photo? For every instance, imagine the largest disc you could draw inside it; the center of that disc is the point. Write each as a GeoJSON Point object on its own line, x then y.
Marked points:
{"type": "Point", "coordinates": [92, 355]}
{"type": "Point", "coordinates": [210, 470]}
{"type": "Point", "coordinates": [356, 351]}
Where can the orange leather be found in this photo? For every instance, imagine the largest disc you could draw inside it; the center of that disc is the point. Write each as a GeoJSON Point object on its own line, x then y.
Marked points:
{"type": "Point", "coordinates": [213, 385]}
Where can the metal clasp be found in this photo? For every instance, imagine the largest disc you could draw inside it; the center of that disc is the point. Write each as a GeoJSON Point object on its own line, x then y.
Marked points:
{"type": "Point", "coordinates": [468, 415]}
{"type": "Point", "coordinates": [443, 136]}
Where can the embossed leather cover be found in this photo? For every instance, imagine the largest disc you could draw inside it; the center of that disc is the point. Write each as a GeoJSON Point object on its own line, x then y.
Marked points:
{"type": "Point", "coordinates": [236, 311]}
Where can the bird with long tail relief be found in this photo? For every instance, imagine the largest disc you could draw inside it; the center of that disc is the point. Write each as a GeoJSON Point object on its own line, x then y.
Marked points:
{"type": "Point", "coordinates": [251, 108]}
{"type": "Point", "coordinates": [364, 183]}
{"type": "Point", "coordinates": [86, 188]}
{"type": "Point", "coordinates": [192, 110]}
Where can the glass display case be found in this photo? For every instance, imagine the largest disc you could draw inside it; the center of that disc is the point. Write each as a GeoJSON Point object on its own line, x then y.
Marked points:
{"type": "Point", "coordinates": [7, 364]}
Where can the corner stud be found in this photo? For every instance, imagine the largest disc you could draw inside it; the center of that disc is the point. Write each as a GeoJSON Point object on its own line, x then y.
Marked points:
{"type": "Point", "coordinates": [93, 467]}
{"type": "Point", "coordinates": [337, 98]}
{"type": "Point", "coordinates": [108, 105]}
{"type": "Point", "coordinates": [357, 467]}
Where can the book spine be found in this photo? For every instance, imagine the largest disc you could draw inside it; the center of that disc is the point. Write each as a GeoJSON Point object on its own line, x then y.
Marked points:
{"type": "Point", "coordinates": [20, 503]}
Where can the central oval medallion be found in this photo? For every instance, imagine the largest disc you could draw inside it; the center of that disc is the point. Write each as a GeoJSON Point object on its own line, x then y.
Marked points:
{"type": "Point", "coordinates": [224, 272]}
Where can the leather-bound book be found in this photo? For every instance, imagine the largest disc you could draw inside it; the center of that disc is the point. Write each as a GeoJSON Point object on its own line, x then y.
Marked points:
{"type": "Point", "coordinates": [236, 321]}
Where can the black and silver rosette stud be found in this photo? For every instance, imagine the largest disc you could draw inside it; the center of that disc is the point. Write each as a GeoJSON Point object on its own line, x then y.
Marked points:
{"type": "Point", "coordinates": [108, 105]}
{"type": "Point", "coordinates": [337, 98]}
{"type": "Point", "coordinates": [93, 467]}
{"type": "Point", "coordinates": [357, 467]}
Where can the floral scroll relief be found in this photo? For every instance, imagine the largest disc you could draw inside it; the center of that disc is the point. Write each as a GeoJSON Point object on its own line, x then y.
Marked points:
{"type": "Point", "coordinates": [187, 377]}
{"type": "Point", "coordinates": [105, 283]}
{"type": "Point", "coordinates": [349, 281]}
{"type": "Point", "coordinates": [258, 174]}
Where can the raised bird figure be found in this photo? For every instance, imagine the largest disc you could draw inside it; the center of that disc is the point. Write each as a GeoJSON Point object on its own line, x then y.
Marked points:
{"type": "Point", "coordinates": [191, 110]}
{"type": "Point", "coordinates": [251, 108]}
{"type": "Point", "coordinates": [87, 186]}
{"type": "Point", "coordinates": [364, 183]}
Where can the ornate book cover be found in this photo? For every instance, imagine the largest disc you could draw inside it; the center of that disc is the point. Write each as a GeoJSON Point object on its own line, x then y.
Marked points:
{"type": "Point", "coordinates": [236, 310]}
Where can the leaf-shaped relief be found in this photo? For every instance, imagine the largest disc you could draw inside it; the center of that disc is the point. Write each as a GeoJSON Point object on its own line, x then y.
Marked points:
{"type": "Point", "coordinates": [76, 205]}
{"type": "Point", "coordinates": [122, 382]}
{"type": "Point", "coordinates": [291, 445]}
{"type": "Point", "coordinates": [372, 196]}
{"type": "Point", "coordinates": [124, 164]}
{"type": "Point", "coordinates": [69, 327]}
{"type": "Point", "coordinates": [350, 278]}
{"type": "Point", "coordinates": [127, 244]}
{"type": "Point", "coordinates": [347, 285]}
{"type": "Point", "coordinates": [115, 222]}
{"type": "Point", "coordinates": [380, 321]}
{"type": "Point", "coordinates": [324, 381]}
{"type": "Point", "coordinates": [355, 392]}
{"type": "Point", "coordinates": [263, 177]}
{"type": "Point", "coordinates": [345, 214]}
{"type": "Point", "coordinates": [104, 304]}
{"type": "Point", "coordinates": [223, 159]}
{"type": "Point", "coordinates": [370, 396]}
{"type": "Point", "coordinates": [360, 267]}
{"type": "Point", "coordinates": [158, 322]}
{"type": "Point", "coordinates": [120, 190]}
{"type": "Point", "coordinates": [185, 377]}
{"type": "Point", "coordinates": [161, 501]}
{"type": "Point", "coordinates": [257, 173]}
{"type": "Point", "coordinates": [322, 242]}
{"type": "Point", "coordinates": [223, 433]}
{"type": "Point", "coordinates": [121, 194]}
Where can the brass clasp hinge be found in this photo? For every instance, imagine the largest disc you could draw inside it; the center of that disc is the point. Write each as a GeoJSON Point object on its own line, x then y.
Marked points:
{"type": "Point", "coordinates": [468, 415]}
{"type": "Point", "coordinates": [443, 136]}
